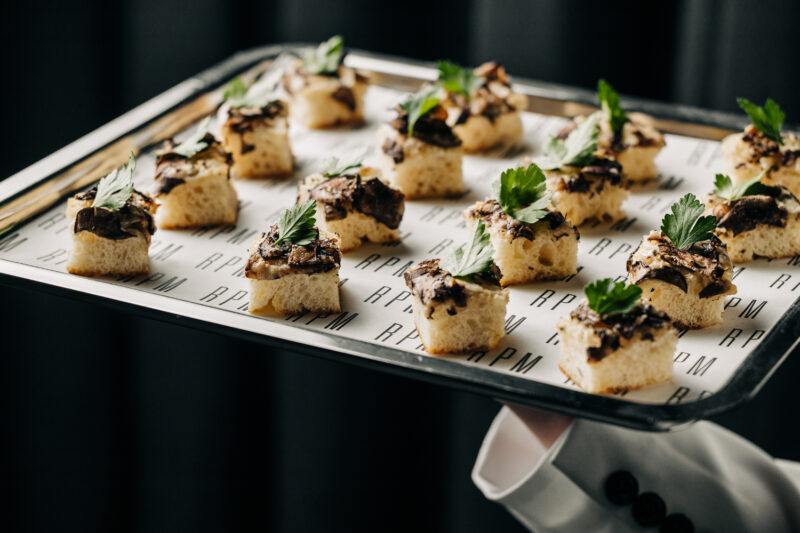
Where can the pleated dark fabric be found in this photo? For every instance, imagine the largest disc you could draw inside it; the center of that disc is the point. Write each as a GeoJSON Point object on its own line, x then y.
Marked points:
{"type": "Point", "coordinates": [109, 422]}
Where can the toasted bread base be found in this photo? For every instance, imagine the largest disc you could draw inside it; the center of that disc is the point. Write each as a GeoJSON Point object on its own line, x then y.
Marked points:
{"type": "Point", "coordinates": [296, 293]}
{"type": "Point", "coordinates": [639, 162]}
{"type": "Point", "coordinates": [480, 325]}
{"type": "Point", "coordinates": [316, 108]}
{"type": "Point", "coordinates": [479, 133]}
{"type": "Point", "coordinates": [638, 362]}
{"type": "Point", "coordinates": [763, 241]}
{"type": "Point", "coordinates": [355, 229]}
{"type": "Point", "coordinates": [551, 255]}
{"type": "Point", "coordinates": [92, 255]}
{"type": "Point", "coordinates": [603, 206]}
{"type": "Point", "coordinates": [271, 154]}
{"type": "Point", "coordinates": [426, 170]}
{"type": "Point", "coordinates": [686, 309]}
{"type": "Point", "coordinates": [200, 201]}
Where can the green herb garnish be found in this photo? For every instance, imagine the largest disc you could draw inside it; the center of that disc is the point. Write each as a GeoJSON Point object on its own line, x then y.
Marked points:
{"type": "Point", "coordinates": [476, 259]}
{"type": "Point", "coordinates": [724, 187]}
{"type": "Point", "coordinates": [522, 193]}
{"type": "Point", "coordinates": [194, 144]}
{"type": "Point", "coordinates": [260, 94]}
{"type": "Point", "coordinates": [418, 104]}
{"type": "Point", "coordinates": [296, 224]}
{"type": "Point", "coordinates": [609, 102]}
{"type": "Point", "coordinates": [337, 167]}
{"type": "Point", "coordinates": [115, 189]}
{"type": "Point", "coordinates": [768, 119]}
{"type": "Point", "coordinates": [684, 226]}
{"type": "Point", "coordinates": [326, 58]}
{"type": "Point", "coordinates": [577, 150]}
{"type": "Point", "coordinates": [458, 80]}
{"type": "Point", "coordinates": [234, 91]}
{"type": "Point", "coordinates": [609, 298]}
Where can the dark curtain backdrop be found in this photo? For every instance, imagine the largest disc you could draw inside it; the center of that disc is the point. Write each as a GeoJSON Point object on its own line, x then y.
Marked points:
{"type": "Point", "coordinates": [109, 422]}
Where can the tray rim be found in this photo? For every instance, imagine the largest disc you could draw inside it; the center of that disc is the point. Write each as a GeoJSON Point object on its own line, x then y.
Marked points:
{"type": "Point", "coordinates": [752, 374]}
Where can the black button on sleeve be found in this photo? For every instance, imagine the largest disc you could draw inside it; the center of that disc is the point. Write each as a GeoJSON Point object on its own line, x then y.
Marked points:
{"type": "Point", "coordinates": [676, 523]}
{"type": "Point", "coordinates": [621, 487]}
{"type": "Point", "coordinates": [648, 509]}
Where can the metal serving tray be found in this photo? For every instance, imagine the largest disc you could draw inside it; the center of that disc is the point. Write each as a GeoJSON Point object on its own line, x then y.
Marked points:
{"type": "Point", "coordinates": [196, 276]}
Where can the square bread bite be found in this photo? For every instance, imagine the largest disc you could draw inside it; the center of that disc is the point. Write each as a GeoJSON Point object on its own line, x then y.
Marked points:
{"type": "Point", "coordinates": [583, 186]}
{"type": "Point", "coordinates": [194, 189]}
{"type": "Point", "coordinates": [485, 112]}
{"type": "Point", "coordinates": [635, 147]}
{"type": "Point", "coordinates": [545, 250]}
{"type": "Point", "coordinates": [454, 315]}
{"type": "Point", "coordinates": [111, 227]}
{"type": "Point", "coordinates": [607, 353]}
{"type": "Point", "coordinates": [595, 191]}
{"type": "Point", "coordinates": [258, 140]}
{"type": "Point", "coordinates": [324, 100]}
{"type": "Point", "coordinates": [758, 225]}
{"type": "Point", "coordinates": [531, 239]}
{"type": "Point", "coordinates": [422, 159]}
{"type": "Point", "coordinates": [748, 154]}
{"type": "Point", "coordinates": [291, 278]}
{"type": "Point", "coordinates": [631, 139]}
{"type": "Point", "coordinates": [355, 204]}
{"type": "Point", "coordinates": [688, 284]}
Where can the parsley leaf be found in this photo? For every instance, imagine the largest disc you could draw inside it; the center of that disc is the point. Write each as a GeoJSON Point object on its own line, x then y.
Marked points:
{"type": "Point", "coordinates": [418, 104]}
{"type": "Point", "coordinates": [684, 226]}
{"type": "Point", "coordinates": [724, 187]}
{"type": "Point", "coordinates": [326, 58]}
{"type": "Point", "coordinates": [234, 91]}
{"type": "Point", "coordinates": [768, 119]}
{"type": "Point", "coordinates": [296, 224]}
{"type": "Point", "coordinates": [261, 92]}
{"type": "Point", "coordinates": [609, 101]}
{"type": "Point", "coordinates": [458, 80]}
{"type": "Point", "coordinates": [522, 193]}
{"type": "Point", "coordinates": [115, 189]}
{"type": "Point", "coordinates": [194, 144]}
{"type": "Point", "coordinates": [609, 298]}
{"type": "Point", "coordinates": [578, 149]}
{"type": "Point", "coordinates": [476, 259]}
{"type": "Point", "coordinates": [337, 167]}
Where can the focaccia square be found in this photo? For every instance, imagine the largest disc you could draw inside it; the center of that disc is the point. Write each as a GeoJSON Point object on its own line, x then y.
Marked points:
{"type": "Point", "coordinates": [325, 100]}
{"type": "Point", "coordinates": [356, 206]}
{"type": "Point", "coordinates": [291, 279]}
{"type": "Point", "coordinates": [452, 315]}
{"type": "Point", "coordinates": [546, 250]}
{"type": "Point", "coordinates": [617, 353]}
{"type": "Point", "coordinates": [110, 242]}
{"type": "Point", "coordinates": [258, 140]}
{"type": "Point", "coordinates": [689, 285]}
{"type": "Point", "coordinates": [195, 191]}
